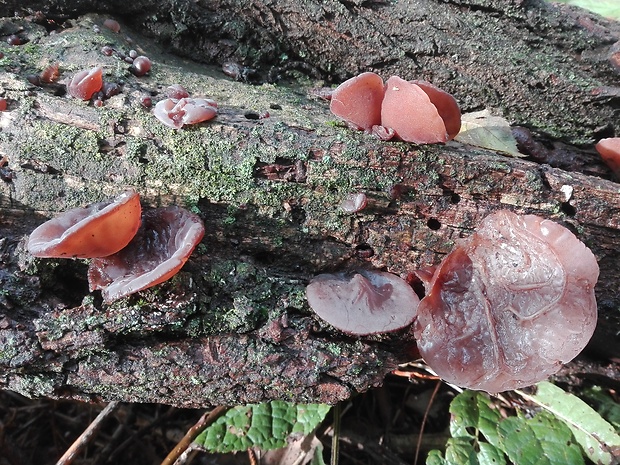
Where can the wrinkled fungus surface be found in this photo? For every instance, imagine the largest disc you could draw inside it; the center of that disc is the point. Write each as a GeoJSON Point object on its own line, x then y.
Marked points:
{"type": "Point", "coordinates": [159, 250]}
{"type": "Point", "coordinates": [177, 113]}
{"type": "Point", "coordinates": [412, 111]}
{"type": "Point", "coordinates": [609, 149]}
{"type": "Point", "coordinates": [366, 302]}
{"type": "Point", "coordinates": [85, 83]}
{"type": "Point", "coordinates": [97, 230]}
{"type": "Point", "coordinates": [509, 305]}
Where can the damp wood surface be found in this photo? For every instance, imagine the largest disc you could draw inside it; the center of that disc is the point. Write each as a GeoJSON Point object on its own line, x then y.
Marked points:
{"type": "Point", "coordinates": [267, 177]}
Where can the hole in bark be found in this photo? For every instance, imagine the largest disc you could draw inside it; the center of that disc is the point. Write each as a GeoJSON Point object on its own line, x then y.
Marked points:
{"type": "Point", "coordinates": [568, 209]}
{"type": "Point", "coordinates": [455, 198]}
{"type": "Point", "coordinates": [433, 224]}
{"type": "Point", "coordinates": [364, 251]}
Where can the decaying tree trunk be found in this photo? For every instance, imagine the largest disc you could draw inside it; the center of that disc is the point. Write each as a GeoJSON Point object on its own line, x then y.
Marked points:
{"type": "Point", "coordinates": [268, 175]}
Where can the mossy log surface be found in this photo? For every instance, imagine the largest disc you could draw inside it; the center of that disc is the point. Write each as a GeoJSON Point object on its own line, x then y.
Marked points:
{"type": "Point", "coordinates": [267, 176]}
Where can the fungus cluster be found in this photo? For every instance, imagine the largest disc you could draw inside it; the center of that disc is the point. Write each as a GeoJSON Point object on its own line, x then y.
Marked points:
{"type": "Point", "coordinates": [179, 109]}
{"type": "Point", "coordinates": [503, 310]}
{"type": "Point", "coordinates": [130, 251]}
{"type": "Point", "coordinates": [412, 111]}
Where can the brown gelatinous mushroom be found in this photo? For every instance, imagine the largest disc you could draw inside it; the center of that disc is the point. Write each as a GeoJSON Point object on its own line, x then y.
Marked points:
{"type": "Point", "coordinates": [509, 305]}
{"type": "Point", "coordinates": [419, 112]}
{"type": "Point", "coordinates": [85, 83]}
{"type": "Point", "coordinates": [609, 149]}
{"type": "Point", "coordinates": [159, 250]}
{"type": "Point", "coordinates": [358, 101]}
{"type": "Point", "coordinates": [366, 302]}
{"type": "Point", "coordinates": [97, 230]}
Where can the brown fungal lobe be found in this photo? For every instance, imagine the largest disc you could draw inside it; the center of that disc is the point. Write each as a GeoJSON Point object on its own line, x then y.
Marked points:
{"type": "Point", "coordinates": [365, 302]}
{"type": "Point", "coordinates": [97, 230]}
{"type": "Point", "coordinates": [158, 251]}
{"type": "Point", "coordinates": [509, 305]}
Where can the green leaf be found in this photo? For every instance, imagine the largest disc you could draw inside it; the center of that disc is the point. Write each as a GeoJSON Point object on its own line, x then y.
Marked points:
{"type": "Point", "coordinates": [490, 455]}
{"type": "Point", "coordinates": [265, 426]}
{"type": "Point", "coordinates": [484, 130]}
{"type": "Point", "coordinates": [472, 412]}
{"type": "Point", "coordinates": [434, 457]}
{"type": "Point", "coordinates": [461, 451]}
{"type": "Point", "coordinates": [542, 440]}
{"type": "Point", "coordinates": [596, 436]}
{"type": "Point", "coordinates": [604, 405]}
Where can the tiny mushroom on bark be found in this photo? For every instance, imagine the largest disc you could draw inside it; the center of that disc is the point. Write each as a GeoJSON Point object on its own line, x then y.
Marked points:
{"type": "Point", "coordinates": [177, 113]}
{"type": "Point", "coordinates": [365, 302]}
{"type": "Point", "coordinates": [508, 305]}
{"type": "Point", "coordinates": [97, 230]}
{"type": "Point", "coordinates": [609, 149]}
{"type": "Point", "coordinates": [159, 250]}
{"type": "Point", "coordinates": [85, 83]}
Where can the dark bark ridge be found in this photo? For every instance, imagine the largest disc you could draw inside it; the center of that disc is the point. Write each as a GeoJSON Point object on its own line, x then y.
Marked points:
{"type": "Point", "coordinates": [233, 326]}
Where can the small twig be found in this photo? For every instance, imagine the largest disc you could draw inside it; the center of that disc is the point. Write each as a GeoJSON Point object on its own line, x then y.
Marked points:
{"type": "Point", "coordinates": [89, 433]}
{"type": "Point", "coordinates": [205, 420]}
{"type": "Point", "coordinates": [335, 435]}
{"type": "Point", "coordinates": [424, 418]}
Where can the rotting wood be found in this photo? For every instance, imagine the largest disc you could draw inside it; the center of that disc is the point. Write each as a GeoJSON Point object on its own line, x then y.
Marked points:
{"type": "Point", "coordinates": [234, 327]}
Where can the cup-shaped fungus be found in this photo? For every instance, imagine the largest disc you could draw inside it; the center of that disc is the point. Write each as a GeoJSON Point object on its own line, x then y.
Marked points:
{"type": "Point", "coordinates": [412, 111]}
{"type": "Point", "coordinates": [85, 83]}
{"type": "Point", "coordinates": [177, 113]}
{"type": "Point", "coordinates": [159, 250]}
{"type": "Point", "coordinates": [366, 302]}
{"type": "Point", "coordinates": [419, 112]}
{"type": "Point", "coordinates": [358, 101]}
{"type": "Point", "coordinates": [97, 230]}
{"type": "Point", "coordinates": [609, 149]}
{"type": "Point", "coordinates": [509, 305]}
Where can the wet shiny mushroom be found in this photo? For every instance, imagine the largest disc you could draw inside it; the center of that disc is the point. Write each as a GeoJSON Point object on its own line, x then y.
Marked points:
{"type": "Point", "coordinates": [86, 83]}
{"type": "Point", "coordinates": [159, 250]}
{"type": "Point", "coordinates": [365, 302]}
{"type": "Point", "coordinates": [97, 230]}
{"type": "Point", "coordinates": [509, 305]}
{"type": "Point", "coordinates": [358, 101]}
{"type": "Point", "coordinates": [609, 150]}
{"type": "Point", "coordinates": [177, 113]}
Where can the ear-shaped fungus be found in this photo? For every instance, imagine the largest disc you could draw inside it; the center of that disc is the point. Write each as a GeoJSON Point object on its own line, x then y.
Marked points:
{"type": "Point", "coordinates": [609, 149]}
{"type": "Point", "coordinates": [366, 302]}
{"type": "Point", "coordinates": [358, 101]}
{"type": "Point", "coordinates": [161, 247]}
{"type": "Point", "coordinates": [85, 83]}
{"type": "Point", "coordinates": [177, 113]}
{"type": "Point", "coordinates": [95, 231]}
{"type": "Point", "coordinates": [509, 305]}
{"type": "Point", "coordinates": [419, 112]}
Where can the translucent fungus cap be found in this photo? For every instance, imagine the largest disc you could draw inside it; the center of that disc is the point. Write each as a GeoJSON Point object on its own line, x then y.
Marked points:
{"type": "Point", "coordinates": [419, 112]}
{"type": "Point", "coordinates": [509, 304]}
{"type": "Point", "coordinates": [159, 250]}
{"type": "Point", "coordinates": [97, 230]}
{"type": "Point", "coordinates": [366, 302]}
{"type": "Point", "coordinates": [358, 101]}
{"type": "Point", "coordinates": [85, 83]}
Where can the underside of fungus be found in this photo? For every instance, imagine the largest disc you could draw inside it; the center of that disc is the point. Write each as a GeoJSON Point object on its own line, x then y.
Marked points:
{"type": "Point", "coordinates": [366, 302]}
{"type": "Point", "coordinates": [177, 113]}
{"type": "Point", "coordinates": [97, 230]}
{"type": "Point", "coordinates": [509, 305]}
{"type": "Point", "coordinates": [159, 250]}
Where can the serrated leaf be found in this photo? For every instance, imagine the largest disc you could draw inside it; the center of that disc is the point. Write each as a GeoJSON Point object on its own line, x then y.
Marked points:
{"type": "Point", "coordinates": [265, 426]}
{"type": "Point", "coordinates": [595, 435]}
{"type": "Point", "coordinates": [542, 440]}
{"type": "Point", "coordinates": [434, 457]}
{"type": "Point", "coordinates": [482, 129]}
{"type": "Point", "coordinates": [472, 412]}
{"type": "Point", "coordinates": [490, 455]}
{"type": "Point", "coordinates": [461, 451]}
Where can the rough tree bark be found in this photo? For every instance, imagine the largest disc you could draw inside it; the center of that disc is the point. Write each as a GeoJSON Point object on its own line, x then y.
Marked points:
{"type": "Point", "coordinates": [233, 326]}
